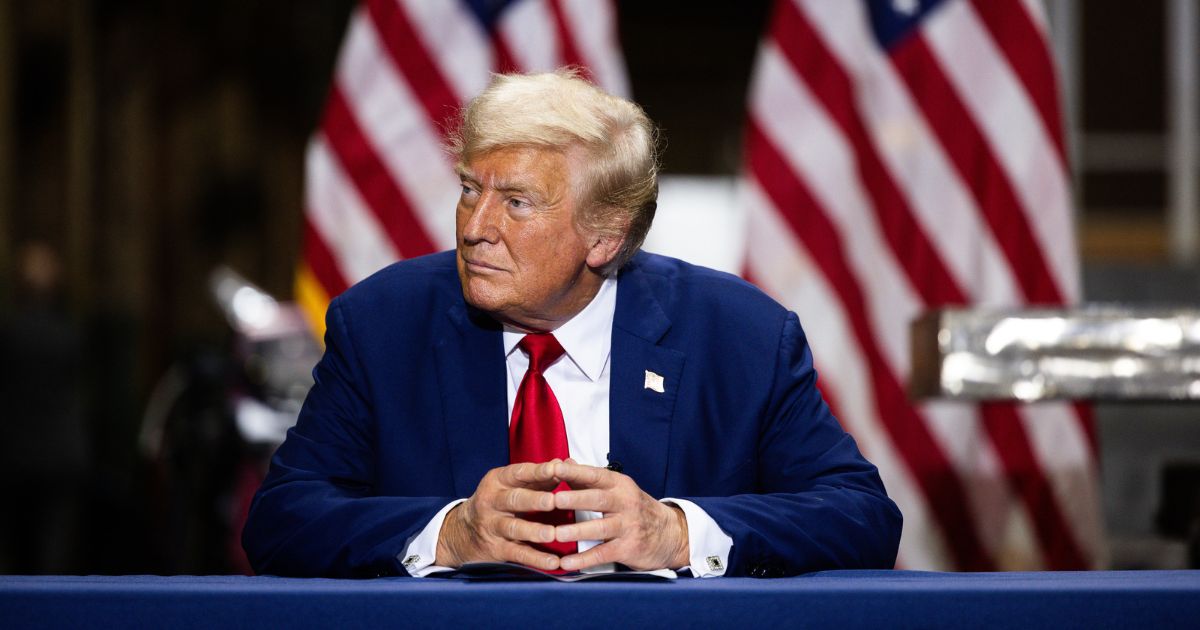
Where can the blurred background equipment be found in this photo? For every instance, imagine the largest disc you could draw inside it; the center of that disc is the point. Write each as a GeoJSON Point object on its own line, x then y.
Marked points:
{"type": "Point", "coordinates": [147, 144]}
{"type": "Point", "coordinates": [1093, 352]}
{"type": "Point", "coordinates": [277, 350]}
{"type": "Point", "coordinates": [213, 420]}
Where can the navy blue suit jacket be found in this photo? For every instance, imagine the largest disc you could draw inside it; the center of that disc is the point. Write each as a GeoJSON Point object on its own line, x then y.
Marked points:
{"type": "Point", "coordinates": [409, 412]}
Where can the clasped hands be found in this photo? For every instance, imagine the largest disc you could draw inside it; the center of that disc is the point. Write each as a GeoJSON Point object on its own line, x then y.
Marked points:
{"type": "Point", "coordinates": [636, 530]}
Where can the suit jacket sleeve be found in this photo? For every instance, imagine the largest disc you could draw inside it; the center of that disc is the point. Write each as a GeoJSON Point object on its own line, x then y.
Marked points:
{"type": "Point", "coordinates": [317, 513]}
{"type": "Point", "coordinates": [819, 504]}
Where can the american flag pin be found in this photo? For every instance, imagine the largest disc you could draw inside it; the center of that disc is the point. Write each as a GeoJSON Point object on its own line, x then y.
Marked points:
{"type": "Point", "coordinates": [654, 381]}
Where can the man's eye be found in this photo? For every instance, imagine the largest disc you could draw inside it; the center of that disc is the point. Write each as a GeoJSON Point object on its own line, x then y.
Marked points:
{"type": "Point", "coordinates": [518, 204]}
{"type": "Point", "coordinates": [467, 190]}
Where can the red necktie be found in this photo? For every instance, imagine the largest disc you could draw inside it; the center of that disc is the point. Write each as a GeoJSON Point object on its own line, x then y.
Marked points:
{"type": "Point", "coordinates": [537, 433]}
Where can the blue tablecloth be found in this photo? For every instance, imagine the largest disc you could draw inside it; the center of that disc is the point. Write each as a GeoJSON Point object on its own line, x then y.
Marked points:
{"type": "Point", "coordinates": [839, 599]}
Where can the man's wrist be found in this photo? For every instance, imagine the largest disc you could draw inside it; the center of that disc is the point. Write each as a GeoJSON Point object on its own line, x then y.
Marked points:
{"type": "Point", "coordinates": [450, 534]}
{"type": "Point", "coordinates": [682, 556]}
{"type": "Point", "coordinates": [708, 545]}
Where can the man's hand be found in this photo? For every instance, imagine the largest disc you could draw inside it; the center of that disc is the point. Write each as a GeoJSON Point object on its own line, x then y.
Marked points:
{"type": "Point", "coordinates": [637, 530]}
{"type": "Point", "coordinates": [485, 528]}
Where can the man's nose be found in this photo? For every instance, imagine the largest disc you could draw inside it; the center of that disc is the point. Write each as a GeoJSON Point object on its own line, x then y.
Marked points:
{"type": "Point", "coordinates": [485, 219]}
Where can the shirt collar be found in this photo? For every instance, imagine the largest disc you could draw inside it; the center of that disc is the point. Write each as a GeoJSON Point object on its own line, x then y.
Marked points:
{"type": "Point", "coordinates": [586, 337]}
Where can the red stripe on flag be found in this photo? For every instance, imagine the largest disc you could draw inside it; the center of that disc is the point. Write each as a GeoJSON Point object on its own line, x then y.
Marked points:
{"type": "Point", "coordinates": [1083, 412]}
{"type": "Point", "coordinates": [968, 150]}
{"type": "Point", "coordinates": [375, 185]}
{"type": "Point", "coordinates": [1058, 544]}
{"type": "Point", "coordinates": [937, 479]}
{"type": "Point", "coordinates": [920, 260]}
{"type": "Point", "coordinates": [567, 50]}
{"type": "Point", "coordinates": [407, 51]}
{"type": "Point", "coordinates": [504, 61]}
{"type": "Point", "coordinates": [320, 262]}
{"type": "Point", "coordinates": [1016, 35]}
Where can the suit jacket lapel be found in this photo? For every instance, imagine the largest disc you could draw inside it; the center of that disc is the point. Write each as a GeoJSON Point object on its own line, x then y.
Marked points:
{"type": "Point", "coordinates": [639, 416]}
{"type": "Point", "coordinates": [471, 372]}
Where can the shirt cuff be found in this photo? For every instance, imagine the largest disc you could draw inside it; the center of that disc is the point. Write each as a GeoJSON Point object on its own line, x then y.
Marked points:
{"type": "Point", "coordinates": [421, 551]}
{"type": "Point", "coordinates": [708, 544]}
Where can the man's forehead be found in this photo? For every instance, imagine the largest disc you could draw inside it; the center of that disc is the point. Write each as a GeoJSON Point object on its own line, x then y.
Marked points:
{"type": "Point", "coordinates": [515, 168]}
{"type": "Point", "coordinates": [517, 180]}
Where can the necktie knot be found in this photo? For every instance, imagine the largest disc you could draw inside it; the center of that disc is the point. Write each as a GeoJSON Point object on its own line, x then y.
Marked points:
{"type": "Point", "coordinates": [542, 348]}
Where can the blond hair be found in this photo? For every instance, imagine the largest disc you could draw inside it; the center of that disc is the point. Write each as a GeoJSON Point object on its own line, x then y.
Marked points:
{"type": "Point", "coordinates": [561, 111]}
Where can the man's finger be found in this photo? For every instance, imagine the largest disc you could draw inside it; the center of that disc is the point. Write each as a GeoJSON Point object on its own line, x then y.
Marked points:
{"type": "Point", "coordinates": [594, 499]}
{"type": "Point", "coordinates": [524, 500]}
{"type": "Point", "coordinates": [600, 554]}
{"type": "Point", "coordinates": [581, 476]}
{"type": "Point", "coordinates": [514, 528]}
{"type": "Point", "coordinates": [528, 556]}
{"type": "Point", "coordinates": [530, 475]}
{"type": "Point", "coordinates": [595, 529]}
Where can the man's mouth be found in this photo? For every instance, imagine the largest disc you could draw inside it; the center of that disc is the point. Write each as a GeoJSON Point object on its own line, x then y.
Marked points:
{"type": "Point", "coordinates": [476, 265]}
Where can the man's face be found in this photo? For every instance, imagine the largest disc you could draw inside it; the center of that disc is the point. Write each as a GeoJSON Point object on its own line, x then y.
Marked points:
{"type": "Point", "coordinates": [520, 257]}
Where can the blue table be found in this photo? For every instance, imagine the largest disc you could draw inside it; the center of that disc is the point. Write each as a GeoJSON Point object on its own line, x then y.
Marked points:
{"type": "Point", "coordinates": [839, 599]}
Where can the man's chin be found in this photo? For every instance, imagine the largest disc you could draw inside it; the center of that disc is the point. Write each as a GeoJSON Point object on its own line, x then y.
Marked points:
{"type": "Point", "coordinates": [480, 294]}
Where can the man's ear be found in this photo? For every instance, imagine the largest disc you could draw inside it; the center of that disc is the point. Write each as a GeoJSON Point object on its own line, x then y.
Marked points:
{"type": "Point", "coordinates": [603, 250]}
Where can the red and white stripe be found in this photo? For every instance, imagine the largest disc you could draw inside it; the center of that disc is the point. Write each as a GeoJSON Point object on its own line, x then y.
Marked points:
{"type": "Point", "coordinates": [379, 186]}
{"type": "Point", "coordinates": [881, 184]}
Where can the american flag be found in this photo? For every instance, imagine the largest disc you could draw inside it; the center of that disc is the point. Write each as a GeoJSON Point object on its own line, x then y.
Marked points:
{"type": "Point", "coordinates": [906, 154]}
{"type": "Point", "coordinates": [378, 185]}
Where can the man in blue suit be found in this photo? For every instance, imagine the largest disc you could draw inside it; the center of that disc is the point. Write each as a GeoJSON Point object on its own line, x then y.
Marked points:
{"type": "Point", "coordinates": [674, 423]}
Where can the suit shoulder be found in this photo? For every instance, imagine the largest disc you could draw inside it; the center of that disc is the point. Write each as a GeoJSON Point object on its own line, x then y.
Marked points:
{"type": "Point", "coordinates": [414, 284]}
{"type": "Point", "coordinates": [695, 285]}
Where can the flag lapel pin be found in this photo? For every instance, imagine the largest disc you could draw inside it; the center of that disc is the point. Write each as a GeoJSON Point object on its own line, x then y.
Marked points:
{"type": "Point", "coordinates": [654, 381]}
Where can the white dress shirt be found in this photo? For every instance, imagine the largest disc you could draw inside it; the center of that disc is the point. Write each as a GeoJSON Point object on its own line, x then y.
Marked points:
{"type": "Point", "coordinates": [580, 381]}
